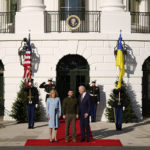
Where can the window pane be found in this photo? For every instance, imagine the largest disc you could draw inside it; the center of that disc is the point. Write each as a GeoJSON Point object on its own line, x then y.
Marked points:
{"type": "Point", "coordinates": [72, 3]}
{"type": "Point", "coordinates": [13, 5]}
{"type": "Point", "coordinates": [62, 3]}
{"type": "Point", "coordinates": [74, 6]}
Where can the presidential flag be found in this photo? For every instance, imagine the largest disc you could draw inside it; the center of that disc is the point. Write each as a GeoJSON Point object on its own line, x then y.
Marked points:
{"type": "Point", "coordinates": [27, 63]}
{"type": "Point", "coordinates": [120, 62]}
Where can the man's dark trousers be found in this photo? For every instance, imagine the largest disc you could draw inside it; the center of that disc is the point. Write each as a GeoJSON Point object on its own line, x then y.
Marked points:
{"type": "Point", "coordinates": [84, 124]}
{"type": "Point", "coordinates": [70, 118]}
{"type": "Point", "coordinates": [30, 112]}
{"type": "Point", "coordinates": [93, 112]}
{"type": "Point", "coordinates": [118, 115]}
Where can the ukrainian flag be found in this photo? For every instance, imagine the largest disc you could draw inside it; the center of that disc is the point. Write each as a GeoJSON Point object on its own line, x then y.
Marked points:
{"type": "Point", "coordinates": [120, 62]}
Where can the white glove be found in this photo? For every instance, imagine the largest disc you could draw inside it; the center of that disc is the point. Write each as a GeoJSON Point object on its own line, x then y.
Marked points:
{"type": "Point", "coordinates": [123, 108]}
{"type": "Point", "coordinates": [98, 102]}
{"type": "Point", "coordinates": [36, 105]}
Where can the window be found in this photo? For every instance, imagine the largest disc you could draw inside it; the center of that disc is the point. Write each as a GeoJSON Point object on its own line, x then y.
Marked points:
{"type": "Point", "coordinates": [134, 5]}
{"type": "Point", "coordinates": [72, 7]}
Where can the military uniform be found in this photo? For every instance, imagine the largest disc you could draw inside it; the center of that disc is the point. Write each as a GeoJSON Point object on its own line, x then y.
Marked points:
{"type": "Point", "coordinates": [118, 105]}
{"type": "Point", "coordinates": [47, 88]}
{"type": "Point", "coordinates": [70, 109]}
{"type": "Point", "coordinates": [32, 100]}
{"type": "Point", "coordinates": [95, 97]}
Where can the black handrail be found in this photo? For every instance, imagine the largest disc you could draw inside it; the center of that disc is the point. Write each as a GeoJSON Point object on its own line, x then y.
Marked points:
{"type": "Point", "coordinates": [7, 22]}
{"type": "Point", "coordinates": [140, 22]}
{"type": "Point", "coordinates": [55, 21]}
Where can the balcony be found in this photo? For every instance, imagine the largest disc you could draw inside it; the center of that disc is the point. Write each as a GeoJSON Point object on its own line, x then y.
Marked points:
{"type": "Point", "coordinates": [7, 22]}
{"type": "Point", "coordinates": [55, 21]}
{"type": "Point", "coordinates": [140, 22]}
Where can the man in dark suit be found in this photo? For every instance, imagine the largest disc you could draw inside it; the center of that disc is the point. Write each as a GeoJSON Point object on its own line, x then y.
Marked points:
{"type": "Point", "coordinates": [84, 101]}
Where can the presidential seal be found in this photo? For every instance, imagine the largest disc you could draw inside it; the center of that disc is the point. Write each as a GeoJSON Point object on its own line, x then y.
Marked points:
{"type": "Point", "coordinates": [73, 22]}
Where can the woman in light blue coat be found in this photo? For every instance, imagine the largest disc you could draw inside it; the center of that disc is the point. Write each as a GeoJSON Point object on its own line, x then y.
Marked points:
{"type": "Point", "coordinates": [53, 113]}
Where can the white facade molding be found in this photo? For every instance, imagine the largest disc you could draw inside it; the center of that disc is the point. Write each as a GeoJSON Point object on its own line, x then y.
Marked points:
{"type": "Point", "coordinates": [113, 22]}
{"type": "Point", "coordinates": [112, 5]}
{"type": "Point", "coordinates": [99, 55]}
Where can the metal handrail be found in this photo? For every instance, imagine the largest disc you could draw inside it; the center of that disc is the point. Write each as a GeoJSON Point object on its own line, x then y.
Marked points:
{"type": "Point", "coordinates": [140, 22]}
{"type": "Point", "coordinates": [55, 21]}
{"type": "Point", "coordinates": [7, 22]}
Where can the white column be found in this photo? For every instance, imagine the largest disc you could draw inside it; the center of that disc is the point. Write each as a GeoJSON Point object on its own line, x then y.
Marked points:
{"type": "Point", "coordinates": [126, 4]}
{"type": "Point", "coordinates": [32, 5]}
{"type": "Point", "coordinates": [19, 5]}
{"type": "Point", "coordinates": [143, 5]}
{"type": "Point", "coordinates": [3, 6]}
{"type": "Point", "coordinates": [30, 17]}
{"type": "Point", "coordinates": [114, 17]}
{"type": "Point", "coordinates": [92, 5]}
{"type": "Point", "coordinates": [52, 5]}
{"type": "Point", "coordinates": [112, 5]}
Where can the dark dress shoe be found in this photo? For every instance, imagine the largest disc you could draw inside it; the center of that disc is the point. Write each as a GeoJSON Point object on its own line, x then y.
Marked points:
{"type": "Point", "coordinates": [82, 140]}
{"type": "Point", "coordinates": [29, 127]}
{"type": "Point", "coordinates": [32, 127]}
{"type": "Point", "coordinates": [88, 140]}
{"type": "Point", "coordinates": [93, 121]}
{"type": "Point", "coordinates": [118, 129]}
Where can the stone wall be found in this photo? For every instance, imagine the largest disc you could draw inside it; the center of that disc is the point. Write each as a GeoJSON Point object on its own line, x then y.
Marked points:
{"type": "Point", "coordinates": [97, 49]}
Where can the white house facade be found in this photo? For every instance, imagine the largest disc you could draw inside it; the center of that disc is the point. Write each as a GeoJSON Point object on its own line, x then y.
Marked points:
{"type": "Point", "coordinates": [76, 56]}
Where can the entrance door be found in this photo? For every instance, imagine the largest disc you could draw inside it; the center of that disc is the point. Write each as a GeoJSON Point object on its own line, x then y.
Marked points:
{"type": "Point", "coordinates": [72, 71]}
{"type": "Point", "coordinates": [146, 89]}
{"type": "Point", "coordinates": [1, 89]}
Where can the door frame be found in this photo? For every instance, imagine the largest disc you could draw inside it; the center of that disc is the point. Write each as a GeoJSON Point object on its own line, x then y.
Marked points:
{"type": "Point", "coordinates": [1, 89]}
{"type": "Point", "coordinates": [78, 69]}
{"type": "Point", "coordinates": [145, 98]}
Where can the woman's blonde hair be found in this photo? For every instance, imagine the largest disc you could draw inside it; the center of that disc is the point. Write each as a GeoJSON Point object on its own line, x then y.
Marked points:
{"type": "Point", "coordinates": [53, 91]}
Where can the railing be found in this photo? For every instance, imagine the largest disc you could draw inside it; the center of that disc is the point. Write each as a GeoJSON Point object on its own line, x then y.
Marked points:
{"type": "Point", "coordinates": [140, 22]}
{"type": "Point", "coordinates": [7, 22]}
{"type": "Point", "coordinates": [55, 21]}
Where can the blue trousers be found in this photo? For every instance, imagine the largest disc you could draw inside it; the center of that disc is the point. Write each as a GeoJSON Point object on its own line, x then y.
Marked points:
{"type": "Point", "coordinates": [30, 113]}
{"type": "Point", "coordinates": [93, 112]}
{"type": "Point", "coordinates": [84, 125]}
{"type": "Point", "coordinates": [119, 114]}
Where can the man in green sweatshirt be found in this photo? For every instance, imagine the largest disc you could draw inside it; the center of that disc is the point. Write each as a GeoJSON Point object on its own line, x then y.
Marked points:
{"type": "Point", "coordinates": [70, 112]}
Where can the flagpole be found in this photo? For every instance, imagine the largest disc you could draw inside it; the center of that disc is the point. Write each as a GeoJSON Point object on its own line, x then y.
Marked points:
{"type": "Point", "coordinates": [119, 99]}
{"type": "Point", "coordinates": [30, 94]}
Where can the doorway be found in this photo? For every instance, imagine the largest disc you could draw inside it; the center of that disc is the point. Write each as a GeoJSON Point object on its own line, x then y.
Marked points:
{"type": "Point", "coordinates": [146, 89]}
{"type": "Point", "coordinates": [72, 71]}
{"type": "Point", "coordinates": [1, 89]}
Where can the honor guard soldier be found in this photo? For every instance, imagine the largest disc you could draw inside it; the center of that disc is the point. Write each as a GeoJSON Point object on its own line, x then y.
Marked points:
{"type": "Point", "coordinates": [47, 87]}
{"type": "Point", "coordinates": [118, 105]}
{"type": "Point", "coordinates": [95, 97]}
{"type": "Point", "coordinates": [32, 102]}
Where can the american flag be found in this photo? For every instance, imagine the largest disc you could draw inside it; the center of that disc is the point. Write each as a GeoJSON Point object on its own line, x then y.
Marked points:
{"type": "Point", "coordinates": [27, 63]}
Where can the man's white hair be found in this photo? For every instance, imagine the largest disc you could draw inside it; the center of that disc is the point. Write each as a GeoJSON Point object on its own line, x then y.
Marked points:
{"type": "Point", "coordinates": [83, 87]}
